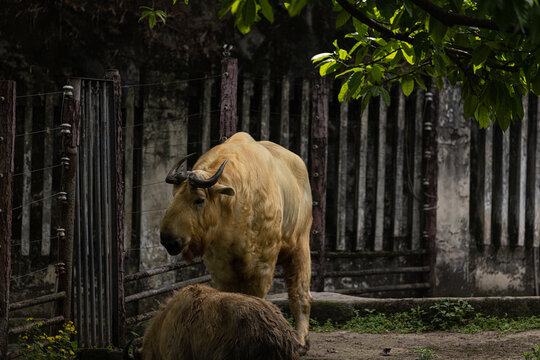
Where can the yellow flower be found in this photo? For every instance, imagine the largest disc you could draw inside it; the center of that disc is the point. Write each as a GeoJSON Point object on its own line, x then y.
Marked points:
{"type": "Point", "coordinates": [40, 345]}
{"type": "Point", "coordinates": [30, 319]}
{"type": "Point", "coordinates": [71, 352]}
{"type": "Point", "coordinates": [60, 331]}
{"type": "Point", "coordinates": [28, 346]}
{"type": "Point", "coordinates": [39, 323]}
{"type": "Point", "coordinates": [25, 337]}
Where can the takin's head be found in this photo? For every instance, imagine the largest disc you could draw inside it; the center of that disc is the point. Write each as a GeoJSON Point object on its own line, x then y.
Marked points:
{"type": "Point", "coordinates": [195, 200]}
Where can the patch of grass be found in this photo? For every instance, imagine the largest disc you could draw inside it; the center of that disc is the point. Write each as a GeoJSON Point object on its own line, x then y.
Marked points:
{"type": "Point", "coordinates": [534, 354]}
{"type": "Point", "coordinates": [445, 315]}
{"type": "Point", "coordinates": [426, 354]}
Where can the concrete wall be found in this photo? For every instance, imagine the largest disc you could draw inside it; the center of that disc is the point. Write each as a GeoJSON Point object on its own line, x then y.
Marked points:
{"type": "Point", "coordinates": [473, 257]}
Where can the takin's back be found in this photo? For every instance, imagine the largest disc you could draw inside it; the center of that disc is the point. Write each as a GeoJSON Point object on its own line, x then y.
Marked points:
{"type": "Point", "coordinates": [201, 323]}
{"type": "Point", "coordinates": [263, 172]}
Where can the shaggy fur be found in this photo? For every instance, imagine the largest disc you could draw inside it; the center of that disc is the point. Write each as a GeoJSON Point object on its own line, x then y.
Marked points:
{"type": "Point", "coordinates": [201, 323]}
{"type": "Point", "coordinates": [257, 215]}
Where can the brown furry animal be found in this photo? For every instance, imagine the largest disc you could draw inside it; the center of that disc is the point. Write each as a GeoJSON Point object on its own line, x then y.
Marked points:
{"type": "Point", "coordinates": [245, 207]}
{"type": "Point", "coordinates": [201, 323]}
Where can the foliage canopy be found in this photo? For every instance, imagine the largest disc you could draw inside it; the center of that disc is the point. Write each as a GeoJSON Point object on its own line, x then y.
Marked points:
{"type": "Point", "coordinates": [489, 47]}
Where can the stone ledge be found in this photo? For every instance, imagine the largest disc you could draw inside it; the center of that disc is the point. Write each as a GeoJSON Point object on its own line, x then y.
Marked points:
{"type": "Point", "coordinates": [340, 308]}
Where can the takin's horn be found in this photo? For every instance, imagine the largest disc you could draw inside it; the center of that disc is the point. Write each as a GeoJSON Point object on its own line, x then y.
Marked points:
{"type": "Point", "coordinates": [175, 177]}
{"type": "Point", "coordinates": [197, 182]}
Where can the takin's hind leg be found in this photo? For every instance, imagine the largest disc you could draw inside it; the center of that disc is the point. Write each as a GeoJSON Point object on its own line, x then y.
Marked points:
{"type": "Point", "coordinates": [297, 271]}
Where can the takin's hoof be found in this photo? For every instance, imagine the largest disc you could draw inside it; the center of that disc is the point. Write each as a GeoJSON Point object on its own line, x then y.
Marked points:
{"type": "Point", "coordinates": [303, 349]}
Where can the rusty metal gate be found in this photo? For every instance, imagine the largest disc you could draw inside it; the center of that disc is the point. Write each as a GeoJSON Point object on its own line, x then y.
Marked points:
{"type": "Point", "coordinates": [98, 305]}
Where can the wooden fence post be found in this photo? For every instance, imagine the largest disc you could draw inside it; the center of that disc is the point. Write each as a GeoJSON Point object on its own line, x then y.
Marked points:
{"type": "Point", "coordinates": [7, 141]}
{"type": "Point", "coordinates": [319, 152]}
{"type": "Point", "coordinates": [229, 84]}
{"type": "Point", "coordinates": [118, 273]}
{"type": "Point", "coordinates": [430, 178]}
{"type": "Point", "coordinates": [71, 115]}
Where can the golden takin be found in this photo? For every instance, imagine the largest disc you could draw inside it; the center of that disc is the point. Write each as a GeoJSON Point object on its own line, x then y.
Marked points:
{"type": "Point", "coordinates": [245, 220]}
{"type": "Point", "coordinates": [201, 323]}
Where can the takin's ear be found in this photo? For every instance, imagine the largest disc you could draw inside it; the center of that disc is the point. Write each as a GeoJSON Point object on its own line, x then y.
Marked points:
{"type": "Point", "coordinates": [223, 190]}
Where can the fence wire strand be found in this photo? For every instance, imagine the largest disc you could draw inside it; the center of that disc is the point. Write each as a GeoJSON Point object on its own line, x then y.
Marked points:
{"type": "Point", "coordinates": [35, 201]}
{"type": "Point", "coordinates": [162, 83]}
{"type": "Point", "coordinates": [28, 274]}
{"type": "Point", "coordinates": [170, 119]}
{"type": "Point", "coordinates": [39, 132]}
{"type": "Point", "coordinates": [36, 170]}
{"type": "Point", "coordinates": [39, 94]}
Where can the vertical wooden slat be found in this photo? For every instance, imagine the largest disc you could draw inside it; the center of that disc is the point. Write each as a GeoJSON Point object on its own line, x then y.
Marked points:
{"type": "Point", "coordinates": [27, 178]}
{"type": "Point", "coordinates": [319, 153]}
{"type": "Point", "coordinates": [7, 149]}
{"type": "Point", "coordinates": [265, 107]}
{"type": "Point", "coordinates": [100, 233]}
{"type": "Point", "coordinates": [229, 89]}
{"type": "Point", "coordinates": [431, 171]}
{"type": "Point", "coordinates": [128, 161]}
{"type": "Point", "coordinates": [84, 335]}
{"type": "Point", "coordinates": [361, 177]}
{"type": "Point", "coordinates": [536, 236]}
{"type": "Point", "coordinates": [399, 198]}
{"type": "Point", "coordinates": [106, 199]}
{"type": "Point", "coordinates": [381, 177]}
{"type": "Point", "coordinates": [285, 98]}
{"type": "Point", "coordinates": [91, 148]}
{"type": "Point", "coordinates": [523, 171]}
{"type": "Point", "coordinates": [207, 114]}
{"type": "Point", "coordinates": [505, 161]}
{"type": "Point", "coordinates": [341, 220]}
{"type": "Point", "coordinates": [71, 114]}
{"type": "Point", "coordinates": [47, 177]}
{"type": "Point", "coordinates": [488, 185]}
{"type": "Point", "coordinates": [117, 166]}
{"type": "Point", "coordinates": [417, 172]}
{"type": "Point", "coordinates": [304, 121]}
{"type": "Point", "coordinates": [247, 93]}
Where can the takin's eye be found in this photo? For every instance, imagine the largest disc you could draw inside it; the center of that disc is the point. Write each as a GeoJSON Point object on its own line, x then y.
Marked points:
{"type": "Point", "coordinates": [199, 201]}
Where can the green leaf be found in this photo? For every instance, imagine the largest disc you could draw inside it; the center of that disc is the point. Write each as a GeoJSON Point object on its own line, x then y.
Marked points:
{"type": "Point", "coordinates": [380, 91]}
{"type": "Point", "coordinates": [152, 20]}
{"type": "Point", "coordinates": [296, 6]}
{"type": "Point", "coordinates": [437, 30]}
{"type": "Point", "coordinates": [375, 73]}
{"type": "Point", "coordinates": [386, 7]}
{"type": "Point", "coordinates": [342, 19]}
{"type": "Point", "coordinates": [482, 116]}
{"type": "Point", "coordinates": [328, 68]}
{"type": "Point", "coordinates": [420, 82]}
{"type": "Point", "coordinates": [470, 104]}
{"type": "Point", "coordinates": [360, 27]}
{"type": "Point", "coordinates": [226, 7]}
{"type": "Point", "coordinates": [355, 82]}
{"type": "Point", "coordinates": [343, 91]}
{"type": "Point", "coordinates": [321, 56]}
{"type": "Point", "coordinates": [407, 86]}
{"type": "Point", "coordinates": [480, 54]}
{"type": "Point", "coordinates": [408, 52]}
{"type": "Point", "coordinates": [266, 10]}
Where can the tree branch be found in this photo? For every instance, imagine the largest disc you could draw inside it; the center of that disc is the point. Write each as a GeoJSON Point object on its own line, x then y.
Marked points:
{"type": "Point", "coordinates": [385, 32]}
{"type": "Point", "coordinates": [452, 19]}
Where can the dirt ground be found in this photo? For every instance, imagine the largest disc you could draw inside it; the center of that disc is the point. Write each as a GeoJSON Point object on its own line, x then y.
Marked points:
{"type": "Point", "coordinates": [345, 345]}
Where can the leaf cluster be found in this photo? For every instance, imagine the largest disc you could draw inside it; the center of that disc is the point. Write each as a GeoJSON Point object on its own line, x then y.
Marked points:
{"type": "Point", "coordinates": [489, 47]}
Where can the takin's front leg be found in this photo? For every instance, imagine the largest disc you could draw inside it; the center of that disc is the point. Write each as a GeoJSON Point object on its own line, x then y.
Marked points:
{"type": "Point", "coordinates": [297, 271]}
